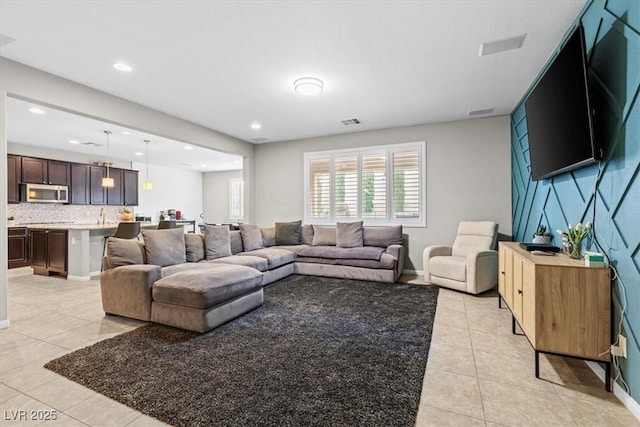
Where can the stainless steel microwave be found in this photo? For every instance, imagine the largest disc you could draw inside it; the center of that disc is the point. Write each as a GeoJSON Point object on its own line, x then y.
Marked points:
{"type": "Point", "coordinates": [43, 193]}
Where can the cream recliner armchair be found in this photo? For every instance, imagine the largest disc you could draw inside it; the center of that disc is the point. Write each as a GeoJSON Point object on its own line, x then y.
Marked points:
{"type": "Point", "coordinates": [471, 264]}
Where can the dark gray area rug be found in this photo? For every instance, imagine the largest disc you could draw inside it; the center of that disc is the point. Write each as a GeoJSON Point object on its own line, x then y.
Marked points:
{"type": "Point", "coordinates": [320, 351]}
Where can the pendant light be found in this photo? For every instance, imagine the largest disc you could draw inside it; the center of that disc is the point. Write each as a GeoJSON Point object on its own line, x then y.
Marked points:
{"type": "Point", "coordinates": [147, 185]}
{"type": "Point", "coordinates": [107, 181]}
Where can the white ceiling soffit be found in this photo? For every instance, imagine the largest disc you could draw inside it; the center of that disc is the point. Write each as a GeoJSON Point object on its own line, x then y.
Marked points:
{"type": "Point", "coordinates": [227, 64]}
{"type": "Point", "coordinates": [53, 129]}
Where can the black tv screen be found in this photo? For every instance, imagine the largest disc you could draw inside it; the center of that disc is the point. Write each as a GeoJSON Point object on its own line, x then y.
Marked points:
{"type": "Point", "coordinates": [558, 114]}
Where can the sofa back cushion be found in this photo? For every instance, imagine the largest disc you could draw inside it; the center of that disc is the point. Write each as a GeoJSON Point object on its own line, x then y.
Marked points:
{"type": "Point", "coordinates": [306, 238]}
{"type": "Point", "coordinates": [288, 233]}
{"type": "Point", "coordinates": [165, 247]}
{"type": "Point", "coordinates": [236, 242]}
{"type": "Point", "coordinates": [349, 234]}
{"type": "Point", "coordinates": [324, 236]}
{"type": "Point", "coordinates": [251, 237]}
{"type": "Point", "coordinates": [383, 236]}
{"type": "Point", "coordinates": [194, 247]}
{"type": "Point", "coordinates": [268, 236]}
{"type": "Point", "coordinates": [125, 252]}
{"type": "Point", "coordinates": [217, 241]}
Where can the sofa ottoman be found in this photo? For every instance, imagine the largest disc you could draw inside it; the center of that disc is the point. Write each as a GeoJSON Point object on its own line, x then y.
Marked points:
{"type": "Point", "coordinates": [204, 298]}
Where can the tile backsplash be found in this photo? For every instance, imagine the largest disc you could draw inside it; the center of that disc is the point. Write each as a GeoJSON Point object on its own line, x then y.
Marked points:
{"type": "Point", "coordinates": [35, 213]}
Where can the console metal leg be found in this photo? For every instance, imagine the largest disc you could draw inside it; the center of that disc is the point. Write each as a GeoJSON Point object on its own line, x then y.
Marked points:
{"type": "Point", "coordinates": [537, 356]}
{"type": "Point", "coordinates": [607, 372]}
{"type": "Point", "coordinates": [513, 324]}
{"type": "Point", "coordinates": [499, 302]}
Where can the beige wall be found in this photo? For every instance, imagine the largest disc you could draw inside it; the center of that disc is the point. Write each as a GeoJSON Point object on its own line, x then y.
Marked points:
{"type": "Point", "coordinates": [215, 195]}
{"type": "Point", "coordinates": [468, 176]}
{"type": "Point", "coordinates": [23, 82]}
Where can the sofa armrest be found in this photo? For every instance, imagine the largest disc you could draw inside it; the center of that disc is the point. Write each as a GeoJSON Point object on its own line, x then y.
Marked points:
{"type": "Point", "coordinates": [126, 290]}
{"type": "Point", "coordinates": [482, 271]}
{"type": "Point", "coordinates": [399, 253]}
{"type": "Point", "coordinates": [430, 252]}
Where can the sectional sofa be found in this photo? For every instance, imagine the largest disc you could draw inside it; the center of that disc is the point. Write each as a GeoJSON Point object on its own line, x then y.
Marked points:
{"type": "Point", "coordinates": [198, 282]}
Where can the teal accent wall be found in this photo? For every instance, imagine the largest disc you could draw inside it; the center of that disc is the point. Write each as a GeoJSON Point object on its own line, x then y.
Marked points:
{"type": "Point", "coordinates": [612, 30]}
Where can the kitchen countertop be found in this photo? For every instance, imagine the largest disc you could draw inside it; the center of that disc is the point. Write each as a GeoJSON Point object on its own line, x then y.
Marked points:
{"type": "Point", "coordinates": [72, 226]}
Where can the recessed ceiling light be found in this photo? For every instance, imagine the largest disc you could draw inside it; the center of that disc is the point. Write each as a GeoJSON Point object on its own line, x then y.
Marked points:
{"type": "Point", "coordinates": [122, 67]}
{"type": "Point", "coordinates": [256, 126]}
{"type": "Point", "coordinates": [139, 153]}
{"type": "Point", "coordinates": [308, 86]}
{"type": "Point", "coordinates": [124, 132]}
{"type": "Point", "coordinates": [36, 110]}
{"type": "Point", "coordinates": [188, 147]}
{"type": "Point", "coordinates": [74, 141]}
{"type": "Point", "coordinates": [203, 165]}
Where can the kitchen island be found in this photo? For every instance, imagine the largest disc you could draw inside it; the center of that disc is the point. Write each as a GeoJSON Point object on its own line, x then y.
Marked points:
{"type": "Point", "coordinates": [84, 248]}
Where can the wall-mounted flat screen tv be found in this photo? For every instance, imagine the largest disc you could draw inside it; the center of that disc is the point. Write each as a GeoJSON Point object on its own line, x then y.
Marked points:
{"type": "Point", "coordinates": [559, 116]}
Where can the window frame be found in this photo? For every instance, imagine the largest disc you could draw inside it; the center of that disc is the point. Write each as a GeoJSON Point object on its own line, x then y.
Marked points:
{"type": "Point", "coordinates": [388, 151]}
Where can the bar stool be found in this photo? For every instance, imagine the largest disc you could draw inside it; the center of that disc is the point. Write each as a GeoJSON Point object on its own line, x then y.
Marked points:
{"type": "Point", "coordinates": [125, 230]}
{"type": "Point", "coordinates": [164, 224]}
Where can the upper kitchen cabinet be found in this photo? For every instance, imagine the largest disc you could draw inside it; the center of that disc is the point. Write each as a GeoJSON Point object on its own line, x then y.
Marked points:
{"type": "Point", "coordinates": [130, 187]}
{"type": "Point", "coordinates": [43, 171]}
{"type": "Point", "coordinates": [14, 172]}
{"type": "Point", "coordinates": [124, 191]}
{"type": "Point", "coordinates": [79, 191]}
{"type": "Point", "coordinates": [115, 194]}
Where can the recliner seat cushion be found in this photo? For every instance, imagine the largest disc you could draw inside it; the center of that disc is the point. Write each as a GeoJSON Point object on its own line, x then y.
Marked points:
{"type": "Point", "coordinates": [204, 288]}
{"type": "Point", "coordinates": [452, 267]}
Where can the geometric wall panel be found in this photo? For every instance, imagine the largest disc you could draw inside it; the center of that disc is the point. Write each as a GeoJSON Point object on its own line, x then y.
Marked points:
{"type": "Point", "coordinates": [612, 187]}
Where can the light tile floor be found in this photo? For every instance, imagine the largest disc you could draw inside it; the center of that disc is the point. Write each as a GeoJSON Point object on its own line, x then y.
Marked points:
{"type": "Point", "coordinates": [477, 373]}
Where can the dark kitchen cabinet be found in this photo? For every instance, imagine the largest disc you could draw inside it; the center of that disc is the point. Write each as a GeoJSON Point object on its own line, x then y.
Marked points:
{"type": "Point", "coordinates": [43, 171]}
{"type": "Point", "coordinates": [48, 252]}
{"type": "Point", "coordinates": [130, 187]}
{"type": "Point", "coordinates": [115, 193]}
{"type": "Point", "coordinates": [14, 172]}
{"type": "Point", "coordinates": [98, 194]}
{"type": "Point", "coordinates": [18, 247]}
{"type": "Point", "coordinates": [79, 191]}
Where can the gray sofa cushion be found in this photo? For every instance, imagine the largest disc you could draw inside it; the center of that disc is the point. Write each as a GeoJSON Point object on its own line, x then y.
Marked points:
{"type": "Point", "coordinates": [334, 252]}
{"type": "Point", "coordinates": [164, 247]}
{"type": "Point", "coordinates": [236, 242]}
{"type": "Point", "coordinates": [288, 233]}
{"type": "Point", "coordinates": [217, 241]}
{"type": "Point", "coordinates": [125, 252]}
{"type": "Point", "coordinates": [306, 237]}
{"type": "Point", "coordinates": [383, 236]}
{"type": "Point", "coordinates": [275, 257]}
{"type": "Point", "coordinates": [207, 287]}
{"type": "Point", "coordinates": [324, 236]}
{"type": "Point", "coordinates": [260, 264]}
{"type": "Point", "coordinates": [268, 236]}
{"type": "Point", "coordinates": [194, 247]}
{"type": "Point", "coordinates": [349, 234]}
{"type": "Point", "coordinates": [387, 262]}
{"type": "Point", "coordinates": [251, 237]}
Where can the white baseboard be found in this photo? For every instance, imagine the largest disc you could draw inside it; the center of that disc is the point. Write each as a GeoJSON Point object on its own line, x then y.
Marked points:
{"type": "Point", "coordinates": [618, 391]}
{"type": "Point", "coordinates": [414, 272]}
{"type": "Point", "coordinates": [78, 278]}
{"type": "Point", "coordinates": [4, 324]}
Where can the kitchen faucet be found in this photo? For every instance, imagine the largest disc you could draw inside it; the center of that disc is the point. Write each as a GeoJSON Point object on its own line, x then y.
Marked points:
{"type": "Point", "coordinates": [102, 215]}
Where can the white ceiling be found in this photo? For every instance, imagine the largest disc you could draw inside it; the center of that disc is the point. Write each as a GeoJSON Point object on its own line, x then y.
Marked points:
{"type": "Point", "coordinates": [226, 64]}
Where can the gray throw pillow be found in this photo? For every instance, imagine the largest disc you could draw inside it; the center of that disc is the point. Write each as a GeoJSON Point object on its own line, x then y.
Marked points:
{"type": "Point", "coordinates": [194, 245]}
{"type": "Point", "coordinates": [383, 236]}
{"type": "Point", "coordinates": [349, 234]}
{"type": "Point", "coordinates": [165, 247]}
{"type": "Point", "coordinates": [125, 252]}
{"type": "Point", "coordinates": [236, 242]}
{"type": "Point", "coordinates": [306, 238]}
{"type": "Point", "coordinates": [217, 241]}
{"type": "Point", "coordinates": [251, 237]}
{"type": "Point", "coordinates": [324, 236]}
{"type": "Point", "coordinates": [268, 236]}
{"type": "Point", "coordinates": [288, 233]}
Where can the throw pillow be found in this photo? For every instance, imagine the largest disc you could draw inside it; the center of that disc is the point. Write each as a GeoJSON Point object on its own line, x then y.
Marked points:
{"type": "Point", "coordinates": [268, 236]}
{"type": "Point", "coordinates": [349, 234]}
{"type": "Point", "coordinates": [288, 233]}
{"type": "Point", "coordinates": [324, 236]}
{"type": "Point", "coordinates": [383, 236]}
{"type": "Point", "coordinates": [217, 241]}
{"type": "Point", "coordinates": [165, 247]}
{"type": "Point", "coordinates": [236, 241]}
{"type": "Point", "coordinates": [306, 238]}
{"type": "Point", "coordinates": [125, 252]}
{"type": "Point", "coordinates": [251, 237]}
{"type": "Point", "coordinates": [194, 245]}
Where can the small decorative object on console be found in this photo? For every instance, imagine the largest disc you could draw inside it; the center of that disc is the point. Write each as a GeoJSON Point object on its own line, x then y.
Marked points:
{"type": "Point", "coordinates": [542, 236]}
{"type": "Point", "coordinates": [572, 240]}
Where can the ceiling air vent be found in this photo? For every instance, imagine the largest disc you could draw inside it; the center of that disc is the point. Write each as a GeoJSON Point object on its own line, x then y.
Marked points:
{"type": "Point", "coordinates": [92, 144]}
{"type": "Point", "coordinates": [258, 140]}
{"type": "Point", "coordinates": [480, 112]}
{"type": "Point", "coordinates": [498, 46]}
{"type": "Point", "coordinates": [349, 122]}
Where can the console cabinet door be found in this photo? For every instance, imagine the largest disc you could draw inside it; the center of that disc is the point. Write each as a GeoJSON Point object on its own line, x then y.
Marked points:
{"type": "Point", "coordinates": [14, 172]}
{"type": "Point", "coordinates": [505, 277]}
{"type": "Point", "coordinates": [97, 191]}
{"type": "Point", "coordinates": [79, 192]}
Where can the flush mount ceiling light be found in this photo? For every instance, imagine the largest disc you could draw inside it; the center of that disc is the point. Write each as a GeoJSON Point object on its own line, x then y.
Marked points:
{"type": "Point", "coordinates": [107, 181]}
{"type": "Point", "coordinates": [256, 126]}
{"type": "Point", "coordinates": [122, 67]}
{"type": "Point", "coordinates": [36, 110]}
{"type": "Point", "coordinates": [147, 184]}
{"type": "Point", "coordinates": [188, 147]}
{"type": "Point", "coordinates": [74, 141]}
{"type": "Point", "coordinates": [124, 132]}
{"type": "Point", "coordinates": [308, 86]}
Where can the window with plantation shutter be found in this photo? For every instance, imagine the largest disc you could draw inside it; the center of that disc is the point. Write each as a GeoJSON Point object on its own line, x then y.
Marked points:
{"type": "Point", "coordinates": [380, 185]}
